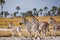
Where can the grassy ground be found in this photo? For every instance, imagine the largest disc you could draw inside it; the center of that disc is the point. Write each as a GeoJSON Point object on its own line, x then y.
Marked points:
{"type": "Point", "coordinates": [4, 24]}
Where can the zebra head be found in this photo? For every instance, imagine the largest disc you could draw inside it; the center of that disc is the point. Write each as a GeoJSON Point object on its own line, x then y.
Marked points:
{"type": "Point", "coordinates": [51, 20]}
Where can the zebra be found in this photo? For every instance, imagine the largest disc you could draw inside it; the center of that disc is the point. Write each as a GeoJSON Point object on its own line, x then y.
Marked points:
{"type": "Point", "coordinates": [41, 26]}
{"type": "Point", "coordinates": [55, 24]}
{"type": "Point", "coordinates": [27, 26]}
{"type": "Point", "coordinates": [14, 29]}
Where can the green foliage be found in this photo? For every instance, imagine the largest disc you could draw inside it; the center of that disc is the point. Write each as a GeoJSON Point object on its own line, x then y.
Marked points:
{"type": "Point", "coordinates": [34, 9]}
{"type": "Point", "coordinates": [6, 13]}
{"type": "Point", "coordinates": [17, 8]}
{"type": "Point", "coordinates": [2, 2]}
{"type": "Point", "coordinates": [41, 10]}
{"type": "Point", "coordinates": [54, 8]}
{"type": "Point", "coordinates": [59, 9]}
{"type": "Point", "coordinates": [35, 12]}
{"type": "Point", "coordinates": [58, 13]}
{"type": "Point", "coordinates": [28, 13]}
{"type": "Point", "coordinates": [45, 8]}
{"type": "Point", "coordinates": [15, 14]}
{"type": "Point", "coordinates": [49, 14]}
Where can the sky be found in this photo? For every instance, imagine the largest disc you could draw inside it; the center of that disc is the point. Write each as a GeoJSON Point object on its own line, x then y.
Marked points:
{"type": "Point", "coordinates": [26, 5]}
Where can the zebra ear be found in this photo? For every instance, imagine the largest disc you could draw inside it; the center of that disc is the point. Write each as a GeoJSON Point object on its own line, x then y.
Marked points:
{"type": "Point", "coordinates": [20, 23]}
{"type": "Point", "coordinates": [51, 18]}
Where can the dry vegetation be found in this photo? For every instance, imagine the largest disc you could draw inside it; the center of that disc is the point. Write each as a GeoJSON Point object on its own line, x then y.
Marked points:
{"type": "Point", "coordinates": [4, 24]}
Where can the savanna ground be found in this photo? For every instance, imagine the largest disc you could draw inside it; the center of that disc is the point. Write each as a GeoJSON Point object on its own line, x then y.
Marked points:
{"type": "Point", "coordinates": [4, 24]}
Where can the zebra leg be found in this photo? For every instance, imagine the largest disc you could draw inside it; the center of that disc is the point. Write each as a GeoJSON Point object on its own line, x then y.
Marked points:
{"type": "Point", "coordinates": [30, 34]}
{"type": "Point", "coordinates": [44, 33]}
{"type": "Point", "coordinates": [41, 38]}
{"type": "Point", "coordinates": [12, 33]}
{"type": "Point", "coordinates": [52, 31]}
{"type": "Point", "coordinates": [38, 35]}
{"type": "Point", "coordinates": [18, 31]}
{"type": "Point", "coordinates": [55, 31]}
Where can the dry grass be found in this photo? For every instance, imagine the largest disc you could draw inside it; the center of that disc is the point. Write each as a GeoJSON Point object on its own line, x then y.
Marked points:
{"type": "Point", "coordinates": [4, 24]}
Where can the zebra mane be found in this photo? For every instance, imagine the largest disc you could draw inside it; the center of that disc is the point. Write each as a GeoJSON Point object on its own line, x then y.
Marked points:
{"type": "Point", "coordinates": [25, 21]}
{"type": "Point", "coordinates": [35, 20]}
